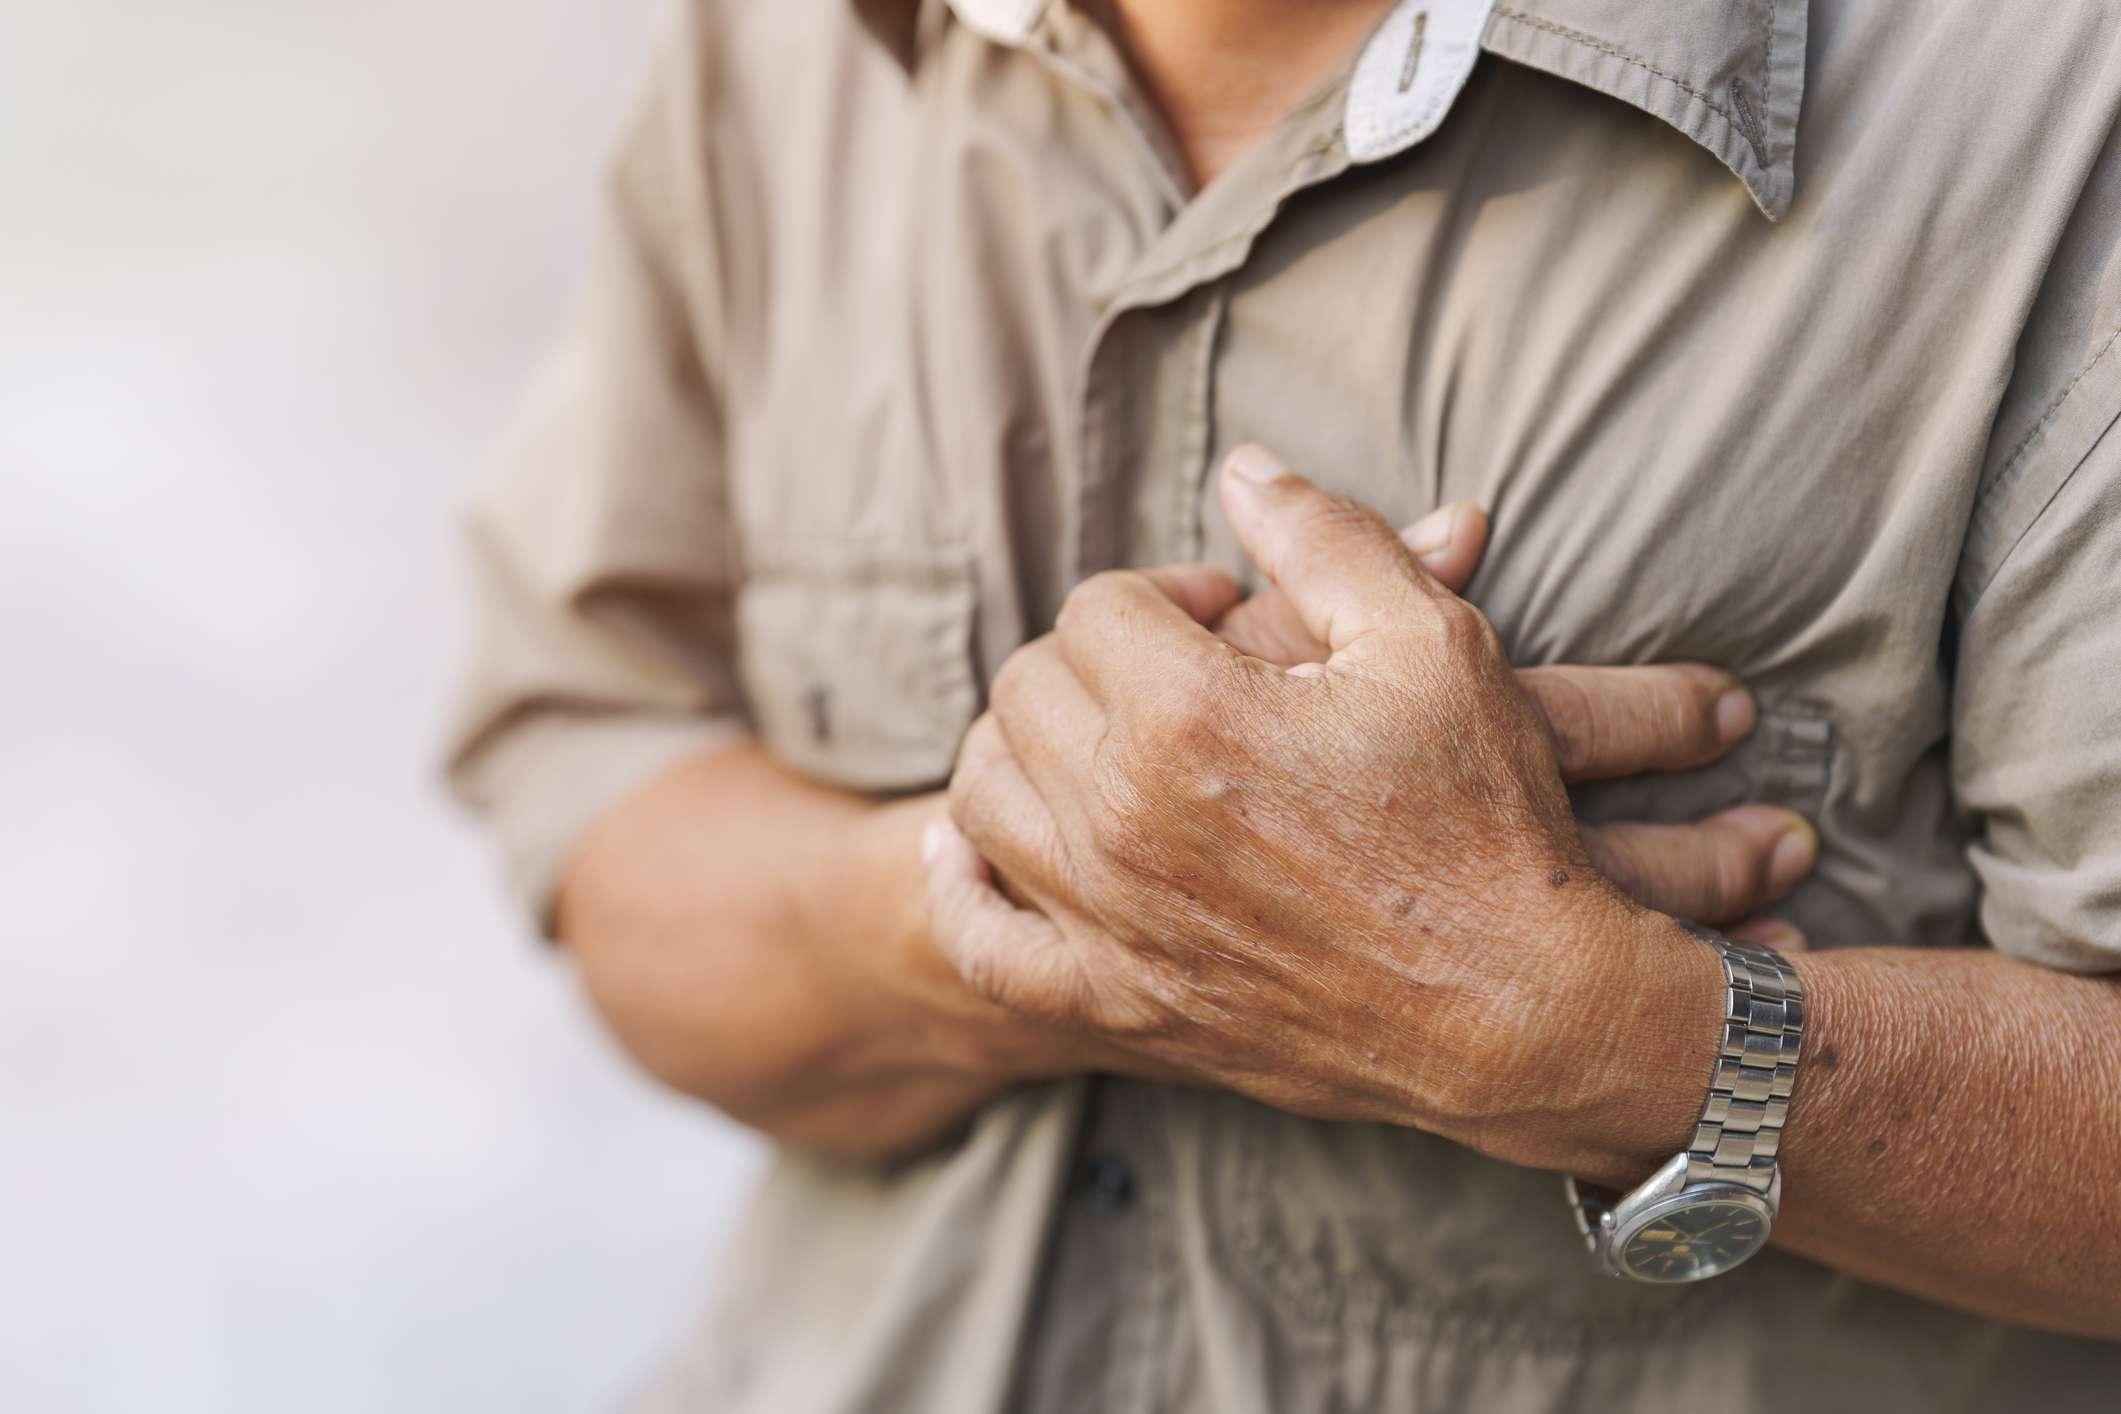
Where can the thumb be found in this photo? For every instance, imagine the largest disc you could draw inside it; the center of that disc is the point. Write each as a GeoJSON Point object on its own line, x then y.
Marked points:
{"type": "Point", "coordinates": [1345, 572]}
{"type": "Point", "coordinates": [1448, 541]}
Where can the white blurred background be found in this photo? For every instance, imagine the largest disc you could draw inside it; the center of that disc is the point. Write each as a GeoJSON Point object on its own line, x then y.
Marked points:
{"type": "Point", "coordinates": [292, 1116]}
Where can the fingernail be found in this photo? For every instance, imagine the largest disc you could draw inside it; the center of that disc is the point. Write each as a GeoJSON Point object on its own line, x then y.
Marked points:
{"type": "Point", "coordinates": [1432, 532]}
{"type": "Point", "coordinates": [1735, 716]}
{"type": "Point", "coordinates": [1253, 463]}
{"type": "Point", "coordinates": [1795, 854]}
{"type": "Point", "coordinates": [934, 835]}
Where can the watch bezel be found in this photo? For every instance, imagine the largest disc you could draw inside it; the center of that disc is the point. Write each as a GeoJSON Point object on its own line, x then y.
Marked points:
{"type": "Point", "coordinates": [1608, 1219]}
{"type": "Point", "coordinates": [1626, 1222]}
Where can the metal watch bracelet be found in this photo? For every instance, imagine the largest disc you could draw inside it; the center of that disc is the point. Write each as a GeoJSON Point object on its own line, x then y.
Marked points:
{"type": "Point", "coordinates": [1756, 1066]}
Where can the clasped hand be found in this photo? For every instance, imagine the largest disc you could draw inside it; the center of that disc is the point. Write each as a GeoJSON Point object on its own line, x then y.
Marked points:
{"type": "Point", "coordinates": [1350, 887]}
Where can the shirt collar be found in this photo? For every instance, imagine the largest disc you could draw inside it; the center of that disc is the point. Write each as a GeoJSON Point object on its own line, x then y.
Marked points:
{"type": "Point", "coordinates": [1730, 76]}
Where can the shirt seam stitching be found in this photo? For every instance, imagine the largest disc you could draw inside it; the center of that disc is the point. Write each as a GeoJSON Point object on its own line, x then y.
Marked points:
{"type": "Point", "coordinates": [2008, 472]}
{"type": "Point", "coordinates": [1759, 136]}
{"type": "Point", "coordinates": [1606, 47]}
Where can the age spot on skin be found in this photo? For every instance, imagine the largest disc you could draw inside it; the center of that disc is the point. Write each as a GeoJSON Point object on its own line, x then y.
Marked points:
{"type": "Point", "coordinates": [1558, 877]}
{"type": "Point", "coordinates": [1829, 1058]}
{"type": "Point", "coordinates": [1875, 1148]}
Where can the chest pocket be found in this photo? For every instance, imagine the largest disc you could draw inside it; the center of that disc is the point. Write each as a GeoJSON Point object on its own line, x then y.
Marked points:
{"type": "Point", "coordinates": [857, 658]}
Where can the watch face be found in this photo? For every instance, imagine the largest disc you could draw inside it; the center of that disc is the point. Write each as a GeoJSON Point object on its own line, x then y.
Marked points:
{"type": "Point", "coordinates": [1695, 1241]}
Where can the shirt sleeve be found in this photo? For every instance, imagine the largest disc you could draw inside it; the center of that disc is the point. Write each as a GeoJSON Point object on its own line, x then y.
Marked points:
{"type": "Point", "coordinates": [2036, 747]}
{"type": "Point", "coordinates": [2036, 737]}
{"type": "Point", "coordinates": [601, 559]}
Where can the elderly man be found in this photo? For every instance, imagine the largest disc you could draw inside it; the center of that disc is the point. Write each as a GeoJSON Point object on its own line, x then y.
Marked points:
{"type": "Point", "coordinates": [1214, 1042]}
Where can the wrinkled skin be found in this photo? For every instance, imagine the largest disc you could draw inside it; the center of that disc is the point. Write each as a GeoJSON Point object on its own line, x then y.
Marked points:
{"type": "Point", "coordinates": [1287, 881]}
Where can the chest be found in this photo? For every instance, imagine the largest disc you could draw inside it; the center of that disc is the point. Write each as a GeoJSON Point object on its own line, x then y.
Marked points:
{"type": "Point", "coordinates": [1699, 436]}
{"type": "Point", "coordinates": [1696, 434]}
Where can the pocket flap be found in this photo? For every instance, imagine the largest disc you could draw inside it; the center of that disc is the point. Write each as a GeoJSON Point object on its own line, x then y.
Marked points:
{"type": "Point", "coordinates": [857, 659]}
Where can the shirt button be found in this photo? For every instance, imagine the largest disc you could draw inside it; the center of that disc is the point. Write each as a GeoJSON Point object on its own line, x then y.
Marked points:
{"type": "Point", "coordinates": [1105, 1184]}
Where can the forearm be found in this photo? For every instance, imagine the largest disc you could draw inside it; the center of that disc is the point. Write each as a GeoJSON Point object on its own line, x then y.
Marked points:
{"type": "Point", "coordinates": [1960, 1135]}
{"type": "Point", "coordinates": [758, 941]}
{"type": "Point", "coordinates": [1955, 1132]}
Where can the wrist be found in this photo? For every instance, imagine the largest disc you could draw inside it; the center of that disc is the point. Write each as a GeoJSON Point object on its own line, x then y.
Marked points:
{"type": "Point", "coordinates": [934, 1019]}
{"type": "Point", "coordinates": [1623, 1042]}
{"type": "Point", "coordinates": [1664, 1008]}
{"type": "Point", "coordinates": [879, 913]}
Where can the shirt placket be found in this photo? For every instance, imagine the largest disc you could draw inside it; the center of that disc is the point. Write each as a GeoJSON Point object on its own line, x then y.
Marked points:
{"type": "Point", "coordinates": [1111, 1305]}
{"type": "Point", "coordinates": [1145, 376]}
{"type": "Point", "coordinates": [1109, 1295]}
{"type": "Point", "coordinates": [1147, 372]}
{"type": "Point", "coordinates": [1112, 1302]}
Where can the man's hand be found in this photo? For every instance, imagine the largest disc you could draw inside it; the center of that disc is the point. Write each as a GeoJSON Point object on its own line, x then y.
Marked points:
{"type": "Point", "coordinates": [1608, 723]}
{"type": "Point", "coordinates": [1336, 886]}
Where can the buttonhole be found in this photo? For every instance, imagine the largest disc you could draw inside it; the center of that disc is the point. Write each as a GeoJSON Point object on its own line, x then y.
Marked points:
{"type": "Point", "coordinates": [1413, 59]}
{"type": "Point", "coordinates": [1749, 123]}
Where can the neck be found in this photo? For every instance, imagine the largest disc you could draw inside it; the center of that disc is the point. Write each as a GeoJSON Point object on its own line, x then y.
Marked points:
{"type": "Point", "coordinates": [1224, 72]}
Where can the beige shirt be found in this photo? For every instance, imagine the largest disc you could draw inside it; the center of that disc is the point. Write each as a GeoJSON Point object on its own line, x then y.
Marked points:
{"type": "Point", "coordinates": [907, 321]}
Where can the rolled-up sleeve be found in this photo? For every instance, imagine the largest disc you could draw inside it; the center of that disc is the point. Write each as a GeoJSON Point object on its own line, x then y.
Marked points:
{"type": "Point", "coordinates": [602, 565]}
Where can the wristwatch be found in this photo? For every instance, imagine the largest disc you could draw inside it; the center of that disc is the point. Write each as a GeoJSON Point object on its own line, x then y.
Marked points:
{"type": "Point", "coordinates": [1711, 1205]}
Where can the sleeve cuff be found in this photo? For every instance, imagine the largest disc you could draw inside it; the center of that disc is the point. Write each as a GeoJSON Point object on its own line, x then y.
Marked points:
{"type": "Point", "coordinates": [540, 783]}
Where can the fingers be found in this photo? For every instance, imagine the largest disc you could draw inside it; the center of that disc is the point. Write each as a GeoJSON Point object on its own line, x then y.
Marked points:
{"type": "Point", "coordinates": [1011, 956]}
{"type": "Point", "coordinates": [1624, 721]}
{"type": "Point", "coordinates": [1448, 541]}
{"type": "Point", "coordinates": [1714, 871]}
{"type": "Point", "coordinates": [1344, 571]}
{"type": "Point", "coordinates": [996, 807]}
{"type": "Point", "coordinates": [1125, 632]}
{"type": "Point", "coordinates": [1050, 724]}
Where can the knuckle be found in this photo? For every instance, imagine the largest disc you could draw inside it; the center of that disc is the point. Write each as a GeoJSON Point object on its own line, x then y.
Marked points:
{"type": "Point", "coordinates": [1683, 714]}
{"type": "Point", "coordinates": [1094, 599]}
{"type": "Point", "coordinates": [1008, 692]}
{"type": "Point", "coordinates": [1616, 859]}
{"type": "Point", "coordinates": [1734, 878]}
{"type": "Point", "coordinates": [1465, 632]}
{"type": "Point", "coordinates": [1572, 718]}
{"type": "Point", "coordinates": [1184, 717]}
